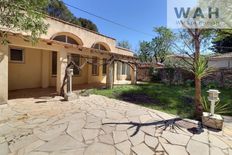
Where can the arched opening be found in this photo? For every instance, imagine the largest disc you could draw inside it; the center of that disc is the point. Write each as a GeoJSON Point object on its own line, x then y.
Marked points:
{"type": "Point", "coordinates": [67, 38]}
{"type": "Point", "coordinates": [101, 46]}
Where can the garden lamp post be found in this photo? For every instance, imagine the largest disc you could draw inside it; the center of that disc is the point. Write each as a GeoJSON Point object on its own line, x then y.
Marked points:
{"type": "Point", "coordinates": [69, 81]}
{"type": "Point", "coordinates": [213, 97]}
{"type": "Point", "coordinates": [70, 96]}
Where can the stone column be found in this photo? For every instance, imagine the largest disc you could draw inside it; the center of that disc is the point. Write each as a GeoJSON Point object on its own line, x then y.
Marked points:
{"type": "Point", "coordinates": [45, 69]}
{"type": "Point", "coordinates": [3, 74]}
{"type": "Point", "coordinates": [119, 71]}
{"type": "Point", "coordinates": [115, 71]}
{"type": "Point", "coordinates": [109, 76]}
{"type": "Point", "coordinates": [61, 66]}
{"type": "Point", "coordinates": [133, 72]}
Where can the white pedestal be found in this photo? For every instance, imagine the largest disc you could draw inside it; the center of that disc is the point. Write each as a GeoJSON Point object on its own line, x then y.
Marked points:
{"type": "Point", "coordinates": [213, 121]}
{"type": "Point", "coordinates": [70, 96]}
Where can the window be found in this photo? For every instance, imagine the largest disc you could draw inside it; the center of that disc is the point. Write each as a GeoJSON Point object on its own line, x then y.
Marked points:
{"type": "Point", "coordinates": [71, 41]}
{"type": "Point", "coordinates": [76, 59]}
{"type": "Point", "coordinates": [65, 39]}
{"type": "Point", "coordinates": [124, 66]}
{"type": "Point", "coordinates": [16, 55]}
{"type": "Point", "coordinates": [104, 66]}
{"type": "Point", "coordinates": [94, 66]}
{"type": "Point", "coordinates": [54, 63]}
{"type": "Point", "coordinates": [99, 47]}
{"type": "Point", "coordinates": [61, 38]}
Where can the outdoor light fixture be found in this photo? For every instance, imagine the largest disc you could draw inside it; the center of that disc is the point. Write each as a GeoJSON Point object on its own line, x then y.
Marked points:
{"type": "Point", "coordinates": [213, 97]}
{"type": "Point", "coordinates": [70, 96]}
{"type": "Point", "coordinates": [70, 74]}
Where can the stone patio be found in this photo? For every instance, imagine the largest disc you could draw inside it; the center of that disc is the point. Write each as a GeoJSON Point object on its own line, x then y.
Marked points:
{"type": "Point", "coordinates": [97, 125]}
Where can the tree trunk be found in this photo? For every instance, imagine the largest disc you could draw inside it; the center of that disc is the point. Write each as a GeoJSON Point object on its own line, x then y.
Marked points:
{"type": "Point", "coordinates": [198, 105]}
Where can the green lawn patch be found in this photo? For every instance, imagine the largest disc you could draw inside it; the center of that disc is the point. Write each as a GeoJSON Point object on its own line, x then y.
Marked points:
{"type": "Point", "coordinates": [178, 100]}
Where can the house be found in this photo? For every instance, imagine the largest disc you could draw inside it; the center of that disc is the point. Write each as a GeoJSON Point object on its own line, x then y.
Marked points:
{"type": "Point", "coordinates": [24, 65]}
{"type": "Point", "coordinates": [145, 70]}
{"type": "Point", "coordinates": [221, 61]}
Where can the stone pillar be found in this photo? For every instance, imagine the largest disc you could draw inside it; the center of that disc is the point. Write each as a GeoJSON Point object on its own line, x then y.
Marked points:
{"type": "Point", "coordinates": [45, 69]}
{"type": "Point", "coordinates": [109, 76]}
{"type": "Point", "coordinates": [3, 74]}
{"type": "Point", "coordinates": [133, 76]}
{"type": "Point", "coordinates": [119, 71]}
{"type": "Point", "coordinates": [61, 67]}
{"type": "Point", "coordinates": [115, 71]}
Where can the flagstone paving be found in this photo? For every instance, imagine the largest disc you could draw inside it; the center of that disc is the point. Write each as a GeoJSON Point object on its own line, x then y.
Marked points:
{"type": "Point", "coordinates": [96, 125]}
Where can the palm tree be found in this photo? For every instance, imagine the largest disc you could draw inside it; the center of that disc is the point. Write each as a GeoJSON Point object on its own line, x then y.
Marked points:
{"type": "Point", "coordinates": [198, 65]}
{"type": "Point", "coordinates": [200, 69]}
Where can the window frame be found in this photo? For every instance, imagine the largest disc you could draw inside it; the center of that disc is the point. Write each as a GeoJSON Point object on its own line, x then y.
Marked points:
{"type": "Point", "coordinates": [124, 65]}
{"type": "Point", "coordinates": [66, 39]}
{"type": "Point", "coordinates": [99, 46]}
{"type": "Point", "coordinates": [16, 61]}
{"type": "Point", "coordinates": [93, 65]}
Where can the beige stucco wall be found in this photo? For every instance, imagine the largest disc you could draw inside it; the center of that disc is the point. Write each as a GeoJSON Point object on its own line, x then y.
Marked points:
{"type": "Point", "coordinates": [88, 38]}
{"type": "Point", "coordinates": [96, 78]}
{"type": "Point", "coordinates": [124, 51]}
{"type": "Point", "coordinates": [26, 74]}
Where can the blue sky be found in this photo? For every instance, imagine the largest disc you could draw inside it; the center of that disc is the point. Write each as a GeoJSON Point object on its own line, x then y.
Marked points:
{"type": "Point", "coordinates": [142, 15]}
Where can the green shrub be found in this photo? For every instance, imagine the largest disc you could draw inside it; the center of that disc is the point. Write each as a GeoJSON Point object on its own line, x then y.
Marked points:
{"type": "Point", "coordinates": [156, 75]}
{"type": "Point", "coordinates": [212, 85]}
{"type": "Point", "coordinates": [219, 108]}
{"type": "Point", "coordinates": [189, 83]}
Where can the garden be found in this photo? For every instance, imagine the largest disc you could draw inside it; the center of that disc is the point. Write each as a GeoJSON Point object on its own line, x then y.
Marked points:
{"type": "Point", "coordinates": [173, 99]}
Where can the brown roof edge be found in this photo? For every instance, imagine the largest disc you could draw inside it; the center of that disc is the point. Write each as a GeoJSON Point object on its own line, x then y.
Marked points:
{"type": "Point", "coordinates": [78, 46]}
{"type": "Point", "coordinates": [124, 49]}
{"type": "Point", "coordinates": [65, 22]}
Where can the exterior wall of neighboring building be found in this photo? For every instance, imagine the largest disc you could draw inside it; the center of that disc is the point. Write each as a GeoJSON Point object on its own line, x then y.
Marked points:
{"type": "Point", "coordinates": [220, 63]}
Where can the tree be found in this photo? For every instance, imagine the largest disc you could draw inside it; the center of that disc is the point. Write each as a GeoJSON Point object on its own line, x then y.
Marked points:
{"type": "Point", "coordinates": [23, 15]}
{"type": "Point", "coordinates": [124, 44]}
{"type": "Point", "coordinates": [222, 43]}
{"type": "Point", "coordinates": [145, 52]}
{"type": "Point", "coordinates": [162, 43]}
{"type": "Point", "coordinates": [193, 39]}
{"type": "Point", "coordinates": [159, 47]}
{"type": "Point", "coordinates": [87, 24]}
{"type": "Point", "coordinates": [58, 9]}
